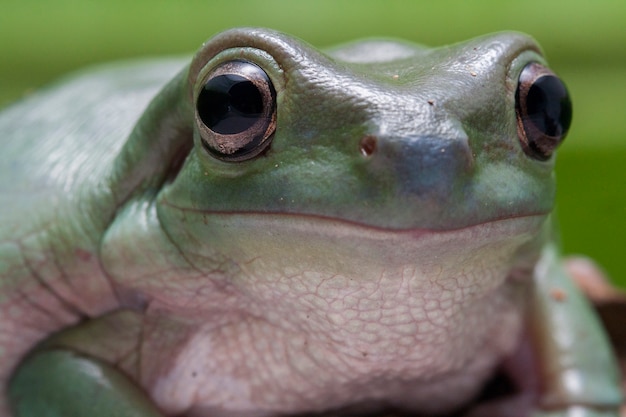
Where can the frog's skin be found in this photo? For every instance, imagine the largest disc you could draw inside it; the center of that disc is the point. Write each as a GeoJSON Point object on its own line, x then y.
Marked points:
{"type": "Point", "coordinates": [388, 247]}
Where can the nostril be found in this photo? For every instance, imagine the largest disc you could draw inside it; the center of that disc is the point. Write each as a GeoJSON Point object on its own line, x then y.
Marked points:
{"type": "Point", "coordinates": [368, 145]}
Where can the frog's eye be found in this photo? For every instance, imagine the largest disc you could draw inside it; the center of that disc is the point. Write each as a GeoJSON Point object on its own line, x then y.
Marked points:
{"type": "Point", "coordinates": [544, 111]}
{"type": "Point", "coordinates": [236, 111]}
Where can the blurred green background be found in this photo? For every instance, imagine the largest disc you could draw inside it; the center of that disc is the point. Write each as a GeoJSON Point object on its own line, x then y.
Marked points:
{"type": "Point", "coordinates": [585, 42]}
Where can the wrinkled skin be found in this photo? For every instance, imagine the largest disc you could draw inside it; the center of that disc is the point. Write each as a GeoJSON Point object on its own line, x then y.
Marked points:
{"type": "Point", "coordinates": [389, 249]}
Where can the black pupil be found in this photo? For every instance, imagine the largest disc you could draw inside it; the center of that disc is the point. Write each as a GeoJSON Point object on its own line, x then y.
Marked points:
{"type": "Point", "coordinates": [548, 106]}
{"type": "Point", "coordinates": [229, 104]}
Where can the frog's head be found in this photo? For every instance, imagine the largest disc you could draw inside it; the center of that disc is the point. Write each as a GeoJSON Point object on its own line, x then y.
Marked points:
{"type": "Point", "coordinates": [378, 147]}
{"type": "Point", "coordinates": [340, 195]}
{"type": "Point", "coordinates": [298, 159]}
{"type": "Point", "coordinates": [379, 133]}
{"type": "Point", "coordinates": [285, 147]}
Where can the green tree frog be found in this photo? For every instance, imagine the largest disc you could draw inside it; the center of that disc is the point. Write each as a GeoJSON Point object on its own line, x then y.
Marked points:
{"type": "Point", "coordinates": [271, 230]}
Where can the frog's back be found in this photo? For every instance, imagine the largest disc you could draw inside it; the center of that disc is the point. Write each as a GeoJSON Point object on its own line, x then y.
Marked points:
{"type": "Point", "coordinates": [58, 148]}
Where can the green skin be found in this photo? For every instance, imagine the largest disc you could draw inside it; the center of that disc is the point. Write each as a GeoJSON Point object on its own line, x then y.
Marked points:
{"type": "Point", "coordinates": [141, 276]}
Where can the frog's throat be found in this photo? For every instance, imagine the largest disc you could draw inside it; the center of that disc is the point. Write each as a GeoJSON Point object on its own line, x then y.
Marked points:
{"type": "Point", "coordinates": [287, 264]}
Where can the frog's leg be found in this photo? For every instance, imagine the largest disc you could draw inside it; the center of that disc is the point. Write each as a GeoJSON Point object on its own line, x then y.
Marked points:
{"type": "Point", "coordinates": [577, 367]}
{"type": "Point", "coordinates": [57, 381]}
{"type": "Point", "coordinates": [609, 302]}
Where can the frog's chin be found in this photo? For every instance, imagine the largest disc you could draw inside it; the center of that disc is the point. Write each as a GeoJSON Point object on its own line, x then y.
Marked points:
{"type": "Point", "coordinates": [308, 241]}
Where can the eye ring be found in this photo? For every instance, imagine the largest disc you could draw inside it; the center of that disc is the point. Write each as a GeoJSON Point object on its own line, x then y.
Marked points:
{"type": "Point", "coordinates": [544, 111]}
{"type": "Point", "coordinates": [236, 111]}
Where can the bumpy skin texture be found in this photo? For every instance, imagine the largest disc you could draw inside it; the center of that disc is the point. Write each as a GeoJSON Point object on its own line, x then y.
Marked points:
{"type": "Point", "coordinates": [315, 277]}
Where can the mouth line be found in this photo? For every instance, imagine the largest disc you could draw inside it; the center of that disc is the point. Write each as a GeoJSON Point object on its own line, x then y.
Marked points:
{"type": "Point", "coordinates": [413, 230]}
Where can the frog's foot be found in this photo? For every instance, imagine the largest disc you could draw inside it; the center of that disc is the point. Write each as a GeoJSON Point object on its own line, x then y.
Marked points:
{"type": "Point", "coordinates": [60, 383]}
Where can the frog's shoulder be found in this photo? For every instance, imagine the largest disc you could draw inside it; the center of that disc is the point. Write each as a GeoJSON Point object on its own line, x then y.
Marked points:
{"type": "Point", "coordinates": [65, 137]}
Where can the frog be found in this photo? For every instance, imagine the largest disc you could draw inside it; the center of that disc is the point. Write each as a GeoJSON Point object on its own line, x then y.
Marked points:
{"type": "Point", "coordinates": [270, 229]}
